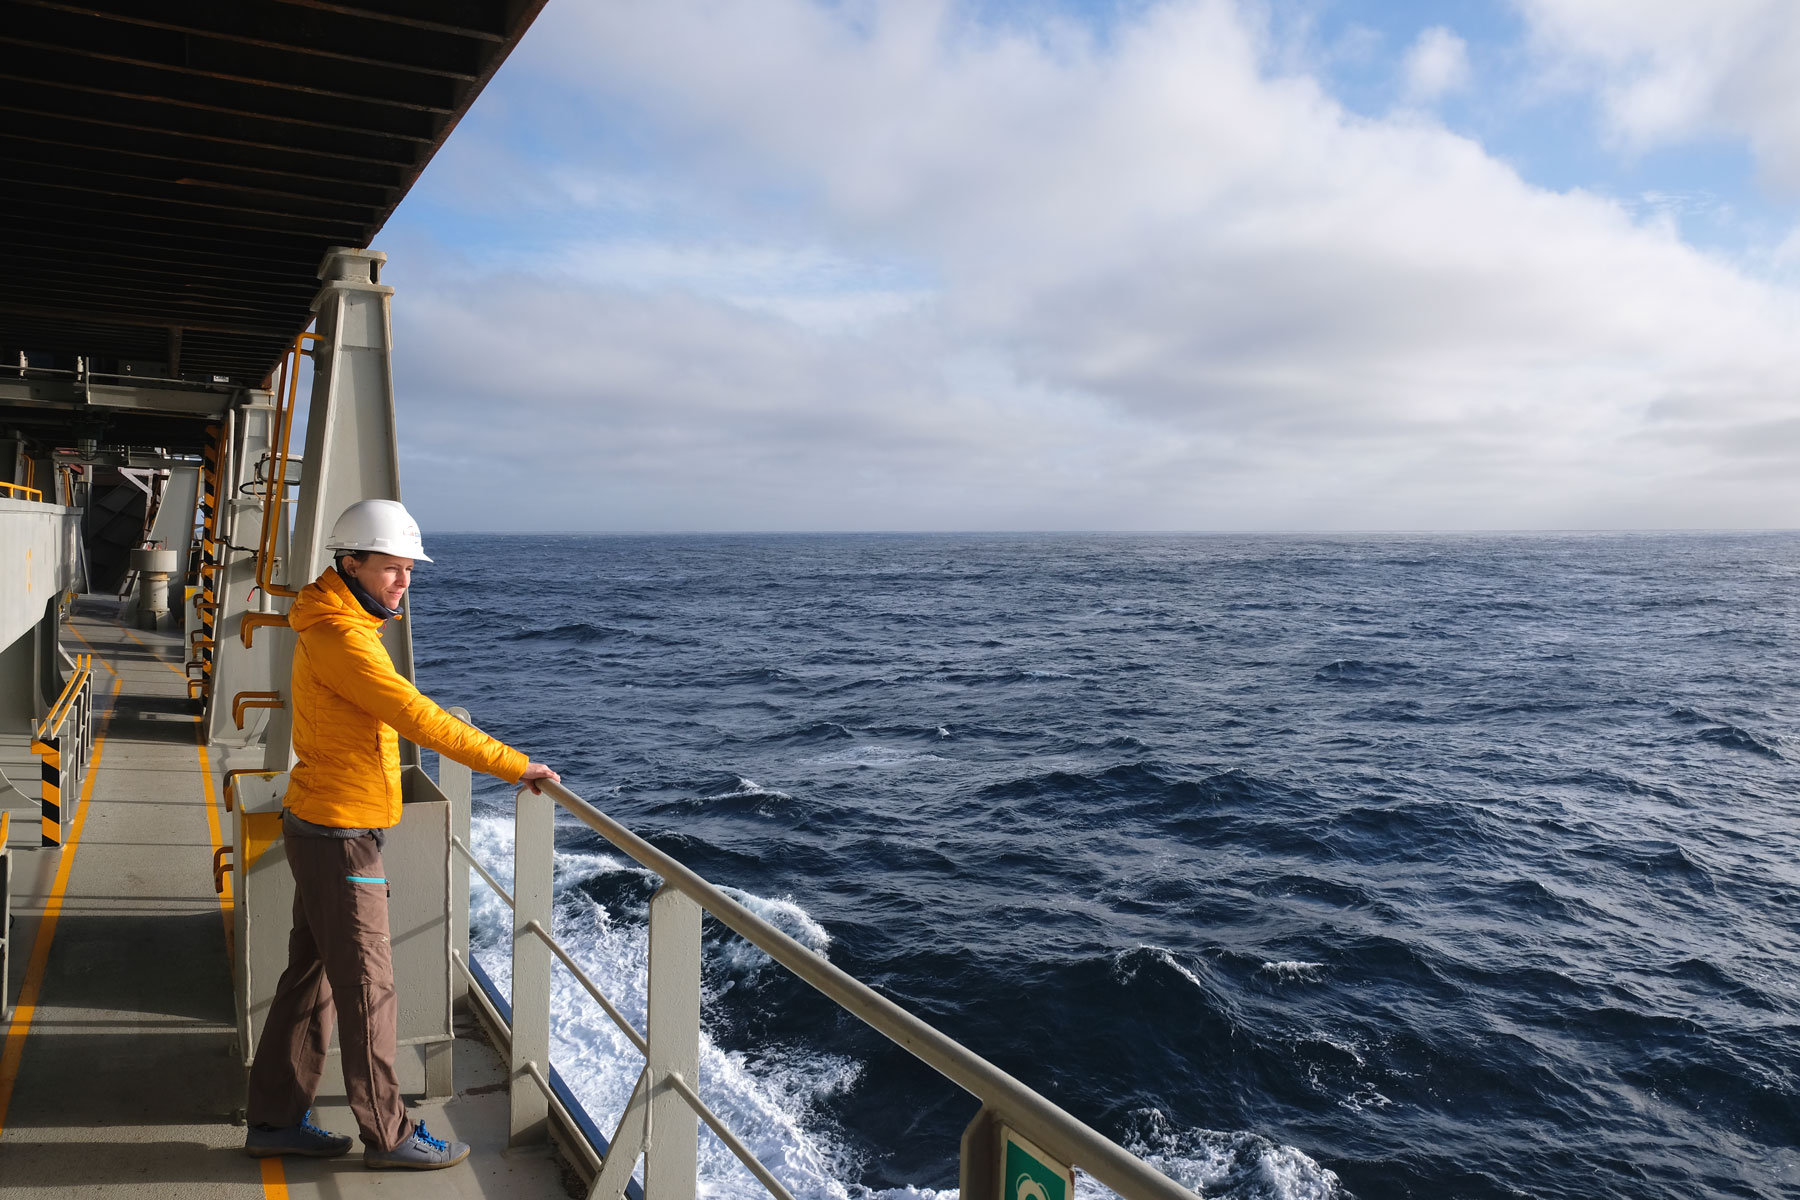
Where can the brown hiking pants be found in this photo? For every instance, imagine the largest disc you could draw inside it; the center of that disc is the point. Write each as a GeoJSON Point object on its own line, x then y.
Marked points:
{"type": "Point", "coordinates": [338, 956]}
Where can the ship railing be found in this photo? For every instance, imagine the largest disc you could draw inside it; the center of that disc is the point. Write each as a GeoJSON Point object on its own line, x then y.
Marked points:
{"type": "Point", "coordinates": [1013, 1120]}
{"type": "Point", "coordinates": [5, 914]}
{"type": "Point", "coordinates": [81, 373]}
{"type": "Point", "coordinates": [63, 742]}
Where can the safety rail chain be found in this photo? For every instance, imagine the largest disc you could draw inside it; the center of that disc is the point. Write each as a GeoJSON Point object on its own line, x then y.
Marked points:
{"type": "Point", "coordinates": [63, 743]}
{"type": "Point", "coordinates": [665, 1098]}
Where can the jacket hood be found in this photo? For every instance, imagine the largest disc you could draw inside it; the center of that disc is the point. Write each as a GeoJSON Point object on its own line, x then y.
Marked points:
{"type": "Point", "coordinates": [328, 599]}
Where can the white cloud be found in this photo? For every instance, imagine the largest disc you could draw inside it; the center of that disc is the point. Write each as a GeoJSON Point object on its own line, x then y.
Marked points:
{"type": "Point", "coordinates": [808, 284]}
{"type": "Point", "coordinates": [1436, 64]}
{"type": "Point", "coordinates": [1671, 70]}
{"type": "Point", "coordinates": [1150, 282]}
{"type": "Point", "coordinates": [675, 411]}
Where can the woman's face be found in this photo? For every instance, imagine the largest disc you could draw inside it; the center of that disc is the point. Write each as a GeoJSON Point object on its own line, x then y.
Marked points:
{"type": "Point", "coordinates": [384, 576]}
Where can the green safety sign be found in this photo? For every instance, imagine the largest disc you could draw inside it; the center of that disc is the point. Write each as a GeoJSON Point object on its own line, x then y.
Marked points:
{"type": "Point", "coordinates": [1027, 1173]}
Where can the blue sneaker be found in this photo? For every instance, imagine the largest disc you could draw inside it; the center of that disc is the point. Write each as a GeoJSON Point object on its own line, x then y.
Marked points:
{"type": "Point", "coordinates": [305, 1139]}
{"type": "Point", "coordinates": [419, 1152]}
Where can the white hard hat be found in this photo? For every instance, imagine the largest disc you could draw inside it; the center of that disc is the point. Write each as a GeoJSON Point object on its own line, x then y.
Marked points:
{"type": "Point", "coordinates": [378, 526]}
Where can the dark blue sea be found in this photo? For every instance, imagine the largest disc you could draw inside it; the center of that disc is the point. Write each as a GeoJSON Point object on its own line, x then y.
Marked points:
{"type": "Point", "coordinates": [1377, 866]}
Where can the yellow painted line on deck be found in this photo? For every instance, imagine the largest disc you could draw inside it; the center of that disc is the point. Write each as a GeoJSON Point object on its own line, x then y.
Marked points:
{"type": "Point", "coordinates": [215, 825]}
{"type": "Point", "coordinates": [14, 1048]}
{"type": "Point", "coordinates": [274, 1179]}
{"type": "Point", "coordinates": [94, 652]}
{"type": "Point", "coordinates": [154, 652]}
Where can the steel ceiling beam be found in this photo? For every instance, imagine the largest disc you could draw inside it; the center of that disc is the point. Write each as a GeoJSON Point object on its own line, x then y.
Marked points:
{"type": "Point", "coordinates": [173, 171]}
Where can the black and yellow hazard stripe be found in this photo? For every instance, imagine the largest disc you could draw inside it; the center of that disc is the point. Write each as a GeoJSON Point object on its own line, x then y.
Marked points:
{"type": "Point", "coordinates": [49, 752]}
{"type": "Point", "coordinates": [212, 511]}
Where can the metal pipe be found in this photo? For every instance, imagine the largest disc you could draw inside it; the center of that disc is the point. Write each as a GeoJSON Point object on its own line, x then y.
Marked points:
{"type": "Point", "coordinates": [251, 621]}
{"type": "Point", "coordinates": [637, 1039]}
{"type": "Point", "coordinates": [223, 441]}
{"type": "Point", "coordinates": [248, 700]}
{"type": "Point", "coordinates": [65, 703]}
{"type": "Point", "coordinates": [287, 390]}
{"type": "Point", "coordinates": [266, 533]}
{"type": "Point", "coordinates": [582, 1141]}
{"type": "Point", "coordinates": [1020, 1106]}
{"type": "Point", "coordinates": [588, 1154]}
{"type": "Point", "coordinates": [482, 871]}
{"type": "Point", "coordinates": [729, 1138]}
{"type": "Point", "coordinates": [464, 968]}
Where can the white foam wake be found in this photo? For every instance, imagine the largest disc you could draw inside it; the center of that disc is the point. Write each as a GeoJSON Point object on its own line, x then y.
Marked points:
{"type": "Point", "coordinates": [772, 1107]}
{"type": "Point", "coordinates": [1245, 1166]}
{"type": "Point", "coordinates": [744, 959]}
{"type": "Point", "coordinates": [772, 1101]}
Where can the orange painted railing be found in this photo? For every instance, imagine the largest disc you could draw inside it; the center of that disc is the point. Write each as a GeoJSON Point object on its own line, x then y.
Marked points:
{"type": "Point", "coordinates": [287, 388]}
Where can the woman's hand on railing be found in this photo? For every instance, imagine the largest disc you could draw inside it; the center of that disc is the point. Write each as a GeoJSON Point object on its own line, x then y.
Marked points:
{"type": "Point", "coordinates": [535, 772]}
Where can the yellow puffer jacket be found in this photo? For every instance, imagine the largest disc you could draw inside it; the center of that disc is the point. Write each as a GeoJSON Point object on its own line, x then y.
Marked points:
{"type": "Point", "coordinates": [350, 710]}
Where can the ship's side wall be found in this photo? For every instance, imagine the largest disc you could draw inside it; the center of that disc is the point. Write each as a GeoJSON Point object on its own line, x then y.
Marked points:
{"type": "Point", "coordinates": [40, 545]}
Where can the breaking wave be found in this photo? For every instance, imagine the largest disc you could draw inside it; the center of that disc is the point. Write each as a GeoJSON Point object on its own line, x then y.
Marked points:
{"type": "Point", "coordinates": [1304, 867]}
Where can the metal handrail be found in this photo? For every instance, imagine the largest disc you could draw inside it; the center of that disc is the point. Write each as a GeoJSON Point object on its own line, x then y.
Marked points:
{"type": "Point", "coordinates": [31, 493]}
{"type": "Point", "coordinates": [482, 871]}
{"type": "Point", "coordinates": [543, 1081]}
{"type": "Point", "coordinates": [732, 1143]}
{"type": "Point", "coordinates": [1032, 1114]}
{"type": "Point", "coordinates": [287, 389]}
{"type": "Point", "coordinates": [232, 776]}
{"type": "Point", "coordinates": [51, 725]}
{"type": "Point", "coordinates": [593, 989]}
{"type": "Point", "coordinates": [65, 756]}
{"type": "Point", "coordinates": [536, 928]}
{"type": "Point", "coordinates": [682, 1088]}
{"type": "Point", "coordinates": [244, 701]}
{"type": "Point", "coordinates": [253, 620]}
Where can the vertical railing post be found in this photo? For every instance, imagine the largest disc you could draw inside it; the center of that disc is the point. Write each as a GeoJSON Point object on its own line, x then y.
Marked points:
{"type": "Point", "coordinates": [457, 782]}
{"type": "Point", "coordinates": [534, 862]}
{"type": "Point", "coordinates": [54, 782]}
{"type": "Point", "coordinates": [672, 1158]}
{"type": "Point", "coordinates": [78, 734]}
{"type": "Point", "coordinates": [84, 726]}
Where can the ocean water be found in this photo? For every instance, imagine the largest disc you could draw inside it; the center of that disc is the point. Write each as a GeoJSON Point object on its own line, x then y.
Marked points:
{"type": "Point", "coordinates": [1376, 866]}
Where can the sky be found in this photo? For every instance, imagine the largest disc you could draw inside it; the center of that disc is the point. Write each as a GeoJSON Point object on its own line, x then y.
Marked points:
{"type": "Point", "coordinates": [1112, 265]}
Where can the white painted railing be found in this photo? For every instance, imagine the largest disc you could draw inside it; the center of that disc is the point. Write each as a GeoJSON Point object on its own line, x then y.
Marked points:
{"type": "Point", "coordinates": [660, 1123]}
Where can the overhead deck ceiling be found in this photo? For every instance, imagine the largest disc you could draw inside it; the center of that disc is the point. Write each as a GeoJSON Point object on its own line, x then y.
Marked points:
{"type": "Point", "coordinates": [173, 171]}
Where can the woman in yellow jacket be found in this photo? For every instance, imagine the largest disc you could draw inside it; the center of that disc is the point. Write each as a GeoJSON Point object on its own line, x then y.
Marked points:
{"type": "Point", "coordinates": [350, 710]}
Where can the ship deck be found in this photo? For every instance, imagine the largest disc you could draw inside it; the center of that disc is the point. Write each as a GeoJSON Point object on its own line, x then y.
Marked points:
{"type": "Point", "coordinates": [120, 1071]}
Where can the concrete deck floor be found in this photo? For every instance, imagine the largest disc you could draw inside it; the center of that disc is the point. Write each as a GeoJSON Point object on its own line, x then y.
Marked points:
{"type": "Point", "coordinates": [127, 1073]}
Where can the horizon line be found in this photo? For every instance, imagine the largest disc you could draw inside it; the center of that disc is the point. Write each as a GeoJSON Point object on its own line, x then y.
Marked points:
{"type": "Point", "coordinates": [1393, 532]}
